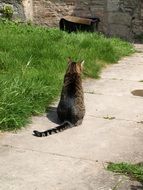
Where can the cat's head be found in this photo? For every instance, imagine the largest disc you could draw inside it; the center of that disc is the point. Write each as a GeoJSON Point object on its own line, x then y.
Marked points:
{"type": "Point", "coordinates": [75, 67]}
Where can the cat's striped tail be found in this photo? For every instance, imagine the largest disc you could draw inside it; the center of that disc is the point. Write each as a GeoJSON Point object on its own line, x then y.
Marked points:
{"type": "Point", "coordinates": [51, 131]}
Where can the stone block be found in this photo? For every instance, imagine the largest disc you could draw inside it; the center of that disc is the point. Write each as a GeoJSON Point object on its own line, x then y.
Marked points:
{"type": "Point", "coordinates": [28, 9]}
{"type": "Point", "coordinates": [119, 30]}
{"type": "Point", "coordinates": [142, 13]}
{"type": "Point", "coordinates": [119, 18]}
{"type": "Point", "coordinates": [112, 5]}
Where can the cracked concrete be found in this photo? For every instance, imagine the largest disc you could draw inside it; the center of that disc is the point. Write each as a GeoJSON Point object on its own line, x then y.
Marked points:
{"type": "Point", "coordinates": [76, 159]}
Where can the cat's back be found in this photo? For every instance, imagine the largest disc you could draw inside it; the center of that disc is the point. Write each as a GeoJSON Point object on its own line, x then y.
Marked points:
{"type": "Point", "coordinates": [73, 85]}
{"type": "Point", "coordinates": [71, 103]}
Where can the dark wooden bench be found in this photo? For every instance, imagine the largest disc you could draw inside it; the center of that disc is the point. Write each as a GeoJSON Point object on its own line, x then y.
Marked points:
{"type": "Point", "coordinates": [74, 24]}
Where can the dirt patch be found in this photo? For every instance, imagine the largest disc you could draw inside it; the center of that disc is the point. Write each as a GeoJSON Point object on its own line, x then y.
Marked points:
{"type": "Point", "coordinates": [137, 93]}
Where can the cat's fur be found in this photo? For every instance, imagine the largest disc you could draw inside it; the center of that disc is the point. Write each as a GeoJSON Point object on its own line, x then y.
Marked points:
{"type": "Point", "coordinates": [71, 109]}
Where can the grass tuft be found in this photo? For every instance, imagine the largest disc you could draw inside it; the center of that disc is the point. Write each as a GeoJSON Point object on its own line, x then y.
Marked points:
{"type": "Point", "coordinates": [33, 61]}
{"type": "Point", "coordinates": [134, 171]}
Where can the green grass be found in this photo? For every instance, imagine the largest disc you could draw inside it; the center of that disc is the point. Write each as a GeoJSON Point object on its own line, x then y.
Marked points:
{"type": "Point", "coordinates": [134, 171]}
{"type": "Point", "coordinates": [33, 62]}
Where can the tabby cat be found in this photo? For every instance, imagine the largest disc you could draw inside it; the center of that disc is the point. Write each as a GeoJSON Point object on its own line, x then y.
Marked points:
{"type": "Point", "coordinates": [71, 109]}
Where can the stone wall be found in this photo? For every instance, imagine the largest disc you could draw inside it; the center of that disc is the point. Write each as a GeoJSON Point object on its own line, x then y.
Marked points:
{"type": "Point", "coordinates": [50, 12]}
{"type": "Point", "coordinates": [123, 18]}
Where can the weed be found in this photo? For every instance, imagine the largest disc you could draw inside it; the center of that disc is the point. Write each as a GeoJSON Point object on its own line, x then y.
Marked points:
{"type": "Point", "coordinates": [134, 171]}
{"type": "Point", "coordinates": [8, 11]}
{"type": "Point", "coordinates": [109, 117]}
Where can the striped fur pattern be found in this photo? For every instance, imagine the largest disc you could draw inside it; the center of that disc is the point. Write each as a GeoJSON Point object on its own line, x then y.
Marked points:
{"type": "Point", "coordinates": [71, 109]}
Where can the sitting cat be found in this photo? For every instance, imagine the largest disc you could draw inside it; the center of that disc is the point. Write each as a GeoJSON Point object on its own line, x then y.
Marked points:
{"type": "Point", "coordinates": [71, 109]}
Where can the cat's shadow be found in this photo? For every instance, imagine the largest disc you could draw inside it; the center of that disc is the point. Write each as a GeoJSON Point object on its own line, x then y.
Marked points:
{"type": "Point", "coordinates": [52, 115]}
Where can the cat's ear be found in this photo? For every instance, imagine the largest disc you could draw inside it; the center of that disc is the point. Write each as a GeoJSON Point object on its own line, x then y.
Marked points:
{"type": "Point", "coordinates": [69, 60]}
{"type": "Point", "coordinates": [82, 63]}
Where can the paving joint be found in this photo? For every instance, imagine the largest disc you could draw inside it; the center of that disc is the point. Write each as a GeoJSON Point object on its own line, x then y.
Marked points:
{"type": "Point", "coordinates": [118, 79]}
{"type": "Point", "coordinates": [51, 153]}
{"type": "Point", "coordinates": [113, 95]}
{"type": "Point", "coordinates": [117, 119]}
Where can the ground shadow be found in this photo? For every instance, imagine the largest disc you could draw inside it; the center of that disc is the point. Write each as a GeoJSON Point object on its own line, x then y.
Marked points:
{"type": "Point", "coordinates": [137, 92]}
{"type": "Point", "coordinates": [52, 115]}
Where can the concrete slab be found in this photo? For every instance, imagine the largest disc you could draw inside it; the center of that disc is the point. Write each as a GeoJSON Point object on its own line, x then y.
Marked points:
{"type": "Point", "coordinates": [139, 47]}
{"type": "Point", "coordinates": [96, 140]}
{"type": "Point", "coordinates": [127, 69]}
{"type": "Point", "coordinates": [111, 87]}
{"type": "Point", "coordinates": [120, 107]}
